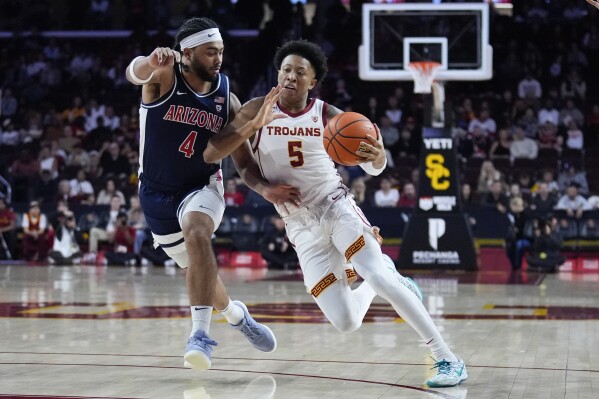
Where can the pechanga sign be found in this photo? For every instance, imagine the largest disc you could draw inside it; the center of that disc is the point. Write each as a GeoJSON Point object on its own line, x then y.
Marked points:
{"type": "Point", "coordinates": [437, 234]}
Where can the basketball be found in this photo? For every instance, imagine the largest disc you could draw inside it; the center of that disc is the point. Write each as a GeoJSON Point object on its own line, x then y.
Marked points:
{"type": "Point", "coordinates": [343, 135]}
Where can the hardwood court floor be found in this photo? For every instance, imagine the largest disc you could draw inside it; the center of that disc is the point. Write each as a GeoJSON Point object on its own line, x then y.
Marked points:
{"type": "Point", "coordinates": [120, 333]}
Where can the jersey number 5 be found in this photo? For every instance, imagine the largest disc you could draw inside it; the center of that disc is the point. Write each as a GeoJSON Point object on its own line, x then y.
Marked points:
{"type": "Point", "coordinates": [296, 158]}
{"type": "Point", "coordinates": [186, 146]}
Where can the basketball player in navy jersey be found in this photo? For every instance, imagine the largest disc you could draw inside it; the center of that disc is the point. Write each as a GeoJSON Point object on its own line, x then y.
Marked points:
{"type": "Point", "coordinates": [186, 101]}
{"type": "Point", "coordinates": [327, 229]}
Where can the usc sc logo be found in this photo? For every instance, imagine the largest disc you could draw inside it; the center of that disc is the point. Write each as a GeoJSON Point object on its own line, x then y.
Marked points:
{"type": "Point", "coordinates": [437, 172]}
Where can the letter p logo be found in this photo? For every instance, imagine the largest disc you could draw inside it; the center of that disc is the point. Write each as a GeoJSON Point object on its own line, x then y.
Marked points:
{"type": "Point", "coordinates": [436, 229]}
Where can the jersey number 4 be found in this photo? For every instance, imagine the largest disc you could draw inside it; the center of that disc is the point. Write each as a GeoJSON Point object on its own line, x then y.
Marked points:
{"type": "Point", "coordinates": [186, 146]}
{"type": "Point", "coordinates": [296, 158]}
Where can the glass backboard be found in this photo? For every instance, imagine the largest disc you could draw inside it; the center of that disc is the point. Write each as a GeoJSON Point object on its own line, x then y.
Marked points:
{"type": "Point", "coordinates": [455, 35]}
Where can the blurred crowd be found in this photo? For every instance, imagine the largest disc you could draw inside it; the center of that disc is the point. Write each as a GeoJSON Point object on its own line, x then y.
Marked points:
{"type": "Point", "coordinates": [69, 127]}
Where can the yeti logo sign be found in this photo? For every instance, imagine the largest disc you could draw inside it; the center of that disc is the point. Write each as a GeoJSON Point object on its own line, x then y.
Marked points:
{"type": "Point", "coordinates": [437, 234]}
{"type": "Point", "coordinates": [436, 229]}
{"type": "Point", "coordinates": [437, 172]}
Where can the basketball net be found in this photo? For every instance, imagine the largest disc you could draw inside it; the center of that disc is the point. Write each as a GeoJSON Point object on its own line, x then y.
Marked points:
{"type": "Point", "coordinates": [423, 74]}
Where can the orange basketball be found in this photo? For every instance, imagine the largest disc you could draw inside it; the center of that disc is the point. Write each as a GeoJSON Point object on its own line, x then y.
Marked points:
{"type": "Point", "coordinates": [343, 135]}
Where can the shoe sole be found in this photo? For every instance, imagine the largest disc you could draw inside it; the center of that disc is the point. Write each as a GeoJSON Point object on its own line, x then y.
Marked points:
{"type": "Point", "coordinates": [239, 303]}
{"type": "Point", "coordinates": [433, 385]}
{"type": "Point", "coordinates": [197, 360]}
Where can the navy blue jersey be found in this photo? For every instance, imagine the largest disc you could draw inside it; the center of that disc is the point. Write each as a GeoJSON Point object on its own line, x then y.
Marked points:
{"type": "Point", "coordinates": [175, 130]}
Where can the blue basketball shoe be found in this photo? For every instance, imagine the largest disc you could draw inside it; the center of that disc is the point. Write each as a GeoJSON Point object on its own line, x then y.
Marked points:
{"type": "Point", "coordinates": [199, 351]}
{"type": "Point", "coordinates": [260, 336]}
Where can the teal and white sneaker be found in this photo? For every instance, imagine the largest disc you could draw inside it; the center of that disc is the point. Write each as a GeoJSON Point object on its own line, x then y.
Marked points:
{"type": "Point", "coordinates": [449, 374]}
{"type": "Point", "coordinates": [408, 282]}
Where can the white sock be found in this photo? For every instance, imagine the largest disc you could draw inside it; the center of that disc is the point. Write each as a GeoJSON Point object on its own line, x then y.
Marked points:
{"type": "Point", "coordinates": [364, 295]}
{"type": "Point", "coordinates": [440, 349]}
{"type": "Point", "coordinates": [233, 313]}
{"type": "Point", "coordinates": [200, 318]}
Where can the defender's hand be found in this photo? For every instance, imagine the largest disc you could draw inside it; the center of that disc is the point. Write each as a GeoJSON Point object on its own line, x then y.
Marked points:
{"type": "Point", "coordinates": [265, 114]}
{"type": "Point", "coordinates": [280, 193]}
{"type": "Point", "coordinates": [163, 57]}
{"type": "Point", "coordinates": [373, 150]}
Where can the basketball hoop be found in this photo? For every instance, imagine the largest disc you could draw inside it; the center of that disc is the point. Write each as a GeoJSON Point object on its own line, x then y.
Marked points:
{"type": "Point", "coordinates": [423, 74]}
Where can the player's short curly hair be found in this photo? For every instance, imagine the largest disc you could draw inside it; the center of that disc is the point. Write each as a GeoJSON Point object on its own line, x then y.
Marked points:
{"type": "Point", "coordinates": [192, 26]}
{"type": "Point", "coordinates": [308, 50]}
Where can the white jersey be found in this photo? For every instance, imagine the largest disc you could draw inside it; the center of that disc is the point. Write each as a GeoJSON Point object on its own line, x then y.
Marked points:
{"type": "Point", "coordinates": [291, 151]}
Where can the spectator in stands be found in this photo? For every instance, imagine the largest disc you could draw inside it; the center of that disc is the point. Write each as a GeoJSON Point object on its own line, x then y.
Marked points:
{"type": "Point", "coordinates": [373, 111]}
{"type": "Point", "coordinates": [408, 144]}
{"type": "Point", "coordinates": [75, 111]}
{"type": "Point", "coordinates": [233, 197]}
{"type": "Point", "coordinates": [64, 191]}
{"type": "Point", "coordinates": [545, 256]}
{"type": "Point", "coordinates": [529, 88]}
{"type": "Point", "coordinates": [44, 188]}
{"type": "Point", "coordinates": [275, 247]}
{"type": "Point", "coordinates": [342, 97]}
{"type": "Point", "coordinates": [244, 233]}
{"type": "Point", "coordinates": [469, 199]}
{"type": "Point", "coordinates": [112, 162]}
{"type": "Point", "coordinates": [548, 177]}
{"type": "Point", "coordinates": [10, 137]}
{"type": "Point", "coordinates": [80, 187]}
{"type": "Point", "coordinates": [35, 229]}
{"type": "Point", "coordinates": [8, 230]}
{"type": "Point", "coordinates": [390, 134]}
{"type": "Point", "coordinates": [105, 195]}
{"type": "Point", "coordinates": [575, 138]}
{"type": "Point", "coordinates": [358, 190]}
{"type": "Point", "coordinates": [525, 183]}
{"type": "Point", "coordinates": [137, 220]}
{"type": "Point", "coordinates": [548, 137]}
{"type": "Point", "coordinates": [570, 175]}
{"type": "Point", "coordinates": [106, 226]}
{"type": "Point", "coordinates": [94, 112]}
{"type": "Point", "coordinates": [123, 241]}
{"type": "Point", "coordinates": [522, 146]}
{"type": "Point", "coordinates": [487, 125]}
{"type": "Point", "coordinates": [516, 241]}
{"type": "Point", "coordinates": [23, 171]}
{"type": "Point", "coordinates": [65, 250]}
{"type": "Point", "coordinates": [111, 121]}
{"type": "Point", "coordinates": [544, 200]}
{"type": "Point", "coordinates": [548, 113]}
{"type": "Point", "coordinates": [488, 174]}
{"type": "Point", "coordinates": [529, 123]}
{"type": "Point", "coordinates": [9, 104]}
{"type": "Point", "coordinates": [392, 111]}
{"type": "Point", "coordinates": [573, 203]}
{"type": "Point", "coordinates": [570, 112]}
{"type": "Point", "coordinates": [500, 149]}
{"type": "Point", "coordinates": [386, 195]}
{"type": "Point", "coordinates": [407, 199]}
{"type": "Point", "coordinates": [99, 135]}
{"type": "Point", "coordinates": [574, 86]}
{"type": "Point", "coordinates": [496, 198]}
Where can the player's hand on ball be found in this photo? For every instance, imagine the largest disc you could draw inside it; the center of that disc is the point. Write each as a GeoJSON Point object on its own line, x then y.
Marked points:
{"type": "Point", "coordinates": [278, 194]}
{"type": "Point", "coordinates": [373, 150]}
{"type": "Point", "coordinates": [265, 114]}
{"type": "Point", "coordinates": [163, 57]}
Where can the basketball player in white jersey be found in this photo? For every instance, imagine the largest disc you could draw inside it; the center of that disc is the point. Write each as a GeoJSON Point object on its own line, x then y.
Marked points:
{"type": "Point", "coordinates": [327, 229]}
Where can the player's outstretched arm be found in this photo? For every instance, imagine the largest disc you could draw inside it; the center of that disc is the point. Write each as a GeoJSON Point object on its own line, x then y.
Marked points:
{"type": "Point", "coordinates": [594, 3]}
{"type": "Point", "coordinates": [254, 114]}
{"type": "Point", "coordinates": [250, 174]}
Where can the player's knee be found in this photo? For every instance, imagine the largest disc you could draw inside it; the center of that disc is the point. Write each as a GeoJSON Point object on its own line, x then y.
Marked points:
{"type": "Point", "coordinates": [347, 322]}
{"type": "Point", "coordinates": [198, 236]}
